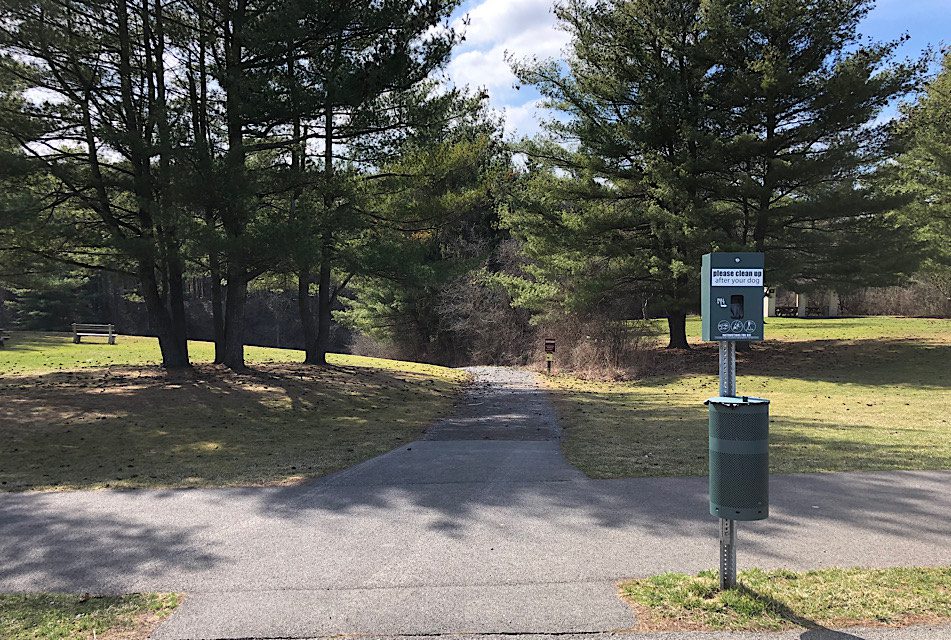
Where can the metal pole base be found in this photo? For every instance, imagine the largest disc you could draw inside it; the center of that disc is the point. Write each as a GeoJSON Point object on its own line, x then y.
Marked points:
{"type": "Point", "coordinates": [727, 554]}
{"type": "Point", "coordinates": [727, 527]}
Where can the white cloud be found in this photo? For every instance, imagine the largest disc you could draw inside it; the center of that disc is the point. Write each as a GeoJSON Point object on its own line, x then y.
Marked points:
{"type": "Point", "coordinates": [524, 119]}
{"type": "Point", "coordinates": [498, 30]}
{"type": "Point", "coordinates": [492, 21]}
{"type": "Point", "coordinates": [525, 29]}
{"type": "Point", "coordinates": [481, 69]}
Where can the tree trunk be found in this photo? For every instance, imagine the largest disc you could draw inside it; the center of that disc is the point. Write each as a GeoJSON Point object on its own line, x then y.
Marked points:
{"type": "Point", "coordinates": [326, 240]}
{"type": "Point", "coordinates": [677, 328]}
{"type": "Point", "coordinates": [236, 299]}
{"type": "Point", "coordinates": [217, 310]}
{"type": "Point", "coordinates": [323, 303]}
{"type": "Point", "coordinates": [308, 320]}
{"type": "Point", "coordinates": [176, 300]}
{"type": "Point", "coordinates": [3, 307]}
{"type": "Point", "coordinates": [173, 356]}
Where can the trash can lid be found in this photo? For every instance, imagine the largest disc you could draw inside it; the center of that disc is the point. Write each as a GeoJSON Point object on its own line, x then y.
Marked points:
{"type": "Point", "coordinates": [734, 401]}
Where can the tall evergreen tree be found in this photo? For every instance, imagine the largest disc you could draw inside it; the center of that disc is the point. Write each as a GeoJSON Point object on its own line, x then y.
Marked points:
{"type": "Point", "coordinates": [366, 78]}
{"type": "Point", "coordinates": [620, 213]}
{"type": "Point", "coordinates": [435, 209]}
{"type": "Point", "coordinates": [241, 110]}
{"type": "Point", "coordinates": [800, 132]}
{"type": "Point", "coordinates": [923, 172]}
{"type": "Point", "coordinates": [97, 138]}
{"type": "Point", "coordinates": [718, 125]}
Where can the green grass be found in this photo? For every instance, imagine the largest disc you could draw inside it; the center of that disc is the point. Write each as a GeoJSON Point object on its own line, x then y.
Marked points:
{"type": "Point", "coordinates": [91, 416]}
{"type": "Point", "coordinates": [55, 616]}
{"type": "Point", "coordinates": [865, 328]}
{"type": "Point", "coordinates": [850, 394]}
{"type": "Point", "coordinates": [31, 353]}
{"type": "Point", "coordinates": [780, 599]}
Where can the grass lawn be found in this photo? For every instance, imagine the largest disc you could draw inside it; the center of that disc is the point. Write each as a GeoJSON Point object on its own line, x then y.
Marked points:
{"type": "Point", "coordinates": [55, 616]}
{"type": "Point", "coordinates": [846, 394]}
{"type": "Point", "coordinates": [779, 599]}
{"type": "Point", "coordinates": [94, 415]}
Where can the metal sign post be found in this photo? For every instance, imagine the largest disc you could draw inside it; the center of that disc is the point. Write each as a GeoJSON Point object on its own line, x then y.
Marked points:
{"type": "Point", "coordinates": [727, 526]}
{"type": "Point", "coordinates": [731, 301]}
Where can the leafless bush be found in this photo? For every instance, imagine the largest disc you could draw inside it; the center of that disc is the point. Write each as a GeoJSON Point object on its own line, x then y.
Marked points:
{"type": "Point", "coordinates": [486, 329]}
{"type": "Point", "coordinates": [927, 295]}
{"type": "Point", "coordinates": [599, 347]}
{"type": "Point", "coordinates": [362, 344]}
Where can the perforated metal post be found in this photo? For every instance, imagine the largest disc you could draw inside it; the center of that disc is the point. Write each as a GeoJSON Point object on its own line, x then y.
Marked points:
{"type": "Point", "coordinates": [727, 368]}
{"type": "Point", "coordinates": [727, 553]}
{"type": "Point", "coordinates": [727, 527]}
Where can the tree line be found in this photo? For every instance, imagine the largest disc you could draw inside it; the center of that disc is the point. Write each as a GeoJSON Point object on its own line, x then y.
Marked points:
{"type": "Point", "coordinates": [245, 141]}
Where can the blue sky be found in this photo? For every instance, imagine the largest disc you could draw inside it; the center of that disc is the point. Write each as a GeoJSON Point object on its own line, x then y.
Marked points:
{"type": "Point", "coordinates": [526, 28]}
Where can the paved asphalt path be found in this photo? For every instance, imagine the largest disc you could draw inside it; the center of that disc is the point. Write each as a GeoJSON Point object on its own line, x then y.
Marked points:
{"type": "Point", "coordinates": [482, 528]}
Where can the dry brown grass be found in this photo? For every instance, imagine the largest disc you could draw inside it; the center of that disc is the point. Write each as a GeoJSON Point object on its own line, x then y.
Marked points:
{"type": "Point", "coordinates": [138, 426]}
{"type": "Point", "coordinates": [847, 395]}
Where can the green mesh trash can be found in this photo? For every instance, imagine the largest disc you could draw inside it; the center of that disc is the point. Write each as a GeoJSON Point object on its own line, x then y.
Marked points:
{"type": "Point", "coordinates": [739, 458]}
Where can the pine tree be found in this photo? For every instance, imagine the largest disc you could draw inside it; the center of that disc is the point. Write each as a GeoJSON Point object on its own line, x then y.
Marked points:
{"type": "Point", "coordinates": [924, 173]}
{"type": "Point", "coordinates": [98, 144]}
{"type": "Point", "coordinates": [800, 134]}
{"type": "Point", "coordinates": [435, 209]}
{"type": "Point", "coordinates": [620, 212]}
{"type": "Point", "coordinates": [368, 80]}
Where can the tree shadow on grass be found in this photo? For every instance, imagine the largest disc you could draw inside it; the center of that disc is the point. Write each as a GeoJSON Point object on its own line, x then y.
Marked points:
{"type": "Point", "coordinates": [142, 427]}
{"type": "Point", "coordinates": [814, 630]}
{"type": "Point", "coordinates": [35, 341]}
{"type": "Point", "coordinates": [619, 434]}
{"type": "Point", "coordinates": [458, 512]}
{"type": "Point", "coordinates": [908, 362]}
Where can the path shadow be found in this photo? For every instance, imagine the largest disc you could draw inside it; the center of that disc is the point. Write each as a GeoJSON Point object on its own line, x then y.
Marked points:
{"type": "Point", "coordinates": [483, 491]}
{"type": "Point", "coordinates": [822, 633]}
{"type": "Point", "coordinates": [471, 485]}
{"type": "Point", "coordinates": [91, 549]}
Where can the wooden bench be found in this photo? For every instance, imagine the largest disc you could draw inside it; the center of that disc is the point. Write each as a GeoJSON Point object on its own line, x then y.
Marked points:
{"type": "Point", "coordinates": [94, 330]}
{"type": "Point", "coordinates": [793, 312]}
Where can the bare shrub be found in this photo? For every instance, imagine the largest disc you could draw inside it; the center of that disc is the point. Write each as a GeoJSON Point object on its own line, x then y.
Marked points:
{"type": "Point", "coordinates": [927, 295]}
{"type": "Point", "coordinates": [477, 312]}
{"type": "Point", "coordinates": [600, 348]}
{"type": "Point", "coordinates": [362, 344]}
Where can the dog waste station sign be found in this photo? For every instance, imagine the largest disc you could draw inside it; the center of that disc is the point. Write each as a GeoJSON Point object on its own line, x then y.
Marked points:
{"type": "Point", "coordinates": [738, 426]}
{"type": "Point", "coordinates": [732, 296]}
